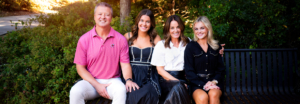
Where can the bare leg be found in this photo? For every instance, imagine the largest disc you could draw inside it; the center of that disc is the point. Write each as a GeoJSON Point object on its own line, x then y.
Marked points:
{"type": "Point", "coordinates": [214, 96]}
{"type": "Point", "coordinates": [200, 96]}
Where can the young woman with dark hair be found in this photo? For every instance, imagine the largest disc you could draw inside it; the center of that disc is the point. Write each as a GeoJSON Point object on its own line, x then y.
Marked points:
{"type": "Point", "coordinates": [141, 41]}
{"type": "Point", "coordinates": [168, 59]}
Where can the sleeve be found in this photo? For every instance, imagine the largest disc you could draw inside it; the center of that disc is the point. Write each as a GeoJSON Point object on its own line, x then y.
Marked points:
{"type": "Point", "coordinates": [81, 53]}
{"type": "Point", "coordinates": [189, 67]}
{"type": "Point", "coordinates": [220, 68]}
{"type": "Point", "coordinates": [158, 56]}
{"type": "Point", "coordinates": [124, 51]}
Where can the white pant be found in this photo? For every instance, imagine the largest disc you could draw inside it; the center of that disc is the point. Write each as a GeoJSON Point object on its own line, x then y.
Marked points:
{"type": "Point", "coordinates": [83, 90]}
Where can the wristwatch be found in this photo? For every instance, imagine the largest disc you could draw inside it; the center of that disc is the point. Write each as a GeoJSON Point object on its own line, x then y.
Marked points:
{"type": "Point", "coordinates": [128, 79]}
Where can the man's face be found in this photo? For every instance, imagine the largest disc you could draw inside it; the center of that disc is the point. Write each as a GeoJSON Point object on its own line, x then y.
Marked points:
{"type": "Point", "coordinates": [102, 16]}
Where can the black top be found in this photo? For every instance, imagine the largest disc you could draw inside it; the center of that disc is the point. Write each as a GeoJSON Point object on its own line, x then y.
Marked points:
{"type": "Point", "coordinates": [142, 71]}
{"type": "Point", "coordinates": [196, 61]}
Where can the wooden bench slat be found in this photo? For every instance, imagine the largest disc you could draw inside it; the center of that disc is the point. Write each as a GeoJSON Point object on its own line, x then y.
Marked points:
{"type": "Point", "coordinates": [261, 75]}
{"type": "Point", "coordinates": [290, 70]}
{"type": "Point", "coordinates": [276, 79]}
{"type": "Point", "coordinates": [254, 69]}
{"type": "Point", "coordinates": [249, 77]}
{"type": "Point", "coordinates": [232, 72]}
{"type": "Point", "coordinates": [243, 68]}
{"type": "Point", "coordinates": [238, 77]}
{"type": "Point", "coordinates": [285, 80]}
{"type": "Point", "coordinates": [269, 74]}
{"type": "Point", "coordinates": [264, 73]}
{"type": "Point", "coordinates": [281, 70]}
{"type": "Point", "coordinates": [227, 88]}
{"type": "Point", "coordinates": [280, 75]}
{"type": "Point", "coordinates": [291, 77]}
{"type": "Point", "coordinates": [258, 63]}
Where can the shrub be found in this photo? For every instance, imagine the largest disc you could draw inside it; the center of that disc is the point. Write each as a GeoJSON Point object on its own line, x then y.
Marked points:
{"type": "Point", "coordinates": [251, 24]}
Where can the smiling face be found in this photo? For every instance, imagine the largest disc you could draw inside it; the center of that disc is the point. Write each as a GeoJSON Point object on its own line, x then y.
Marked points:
{"type": "Point", "coordinates": [144, 23]}
{"type": "Point", "coordinates": [174, 29]}
{"type": "Point", "coordinates": [200, 30]}
{"type": "Point", "coordinates": [102, 16]}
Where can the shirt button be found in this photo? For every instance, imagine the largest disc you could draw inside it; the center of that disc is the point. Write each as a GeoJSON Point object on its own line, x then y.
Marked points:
{"type": "Point", "coordinates": [205, 69]}
{"type": "Point", "coordinates": [206, 55]}
{"type": "Point", "coordinates": [199, 85]}
{"type": "Point", "coordinates": [206, 63]}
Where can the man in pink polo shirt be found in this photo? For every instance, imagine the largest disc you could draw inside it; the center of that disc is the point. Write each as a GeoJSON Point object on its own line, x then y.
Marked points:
{"type": "Point", "coordinates": [97, 59]}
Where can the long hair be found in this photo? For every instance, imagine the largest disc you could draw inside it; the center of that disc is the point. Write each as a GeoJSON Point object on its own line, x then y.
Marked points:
{"type": "Point", "coordinates": [210, 39]}
{"type": "Point", "coordinates": [166, 31]}
{"type": "Point", "coordinates": [151, 32]}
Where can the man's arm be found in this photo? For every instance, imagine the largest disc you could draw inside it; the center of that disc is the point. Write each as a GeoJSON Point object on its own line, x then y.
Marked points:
{"type": "Point", "coordinates": [127, 73]}
{"type": "Point", "coordinates": [85, 75]}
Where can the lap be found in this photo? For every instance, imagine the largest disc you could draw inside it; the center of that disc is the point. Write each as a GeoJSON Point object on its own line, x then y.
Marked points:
{"type": "Point", "coordinates": [146, 95]}
{"type": "Point", "coordinates": [198, 92]}
{"type": "Point", "coordinates": [85, 88]}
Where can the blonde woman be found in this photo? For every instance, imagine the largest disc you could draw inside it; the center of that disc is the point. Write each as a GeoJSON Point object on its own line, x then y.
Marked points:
{"type": "Point", "coordinates": [203, 64]}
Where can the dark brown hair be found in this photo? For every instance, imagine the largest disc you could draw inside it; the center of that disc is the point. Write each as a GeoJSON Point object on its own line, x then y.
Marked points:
{"type": "Point", "coordinates": [166, 32]}
{"type": "Point", "coordinates": [152, 33]}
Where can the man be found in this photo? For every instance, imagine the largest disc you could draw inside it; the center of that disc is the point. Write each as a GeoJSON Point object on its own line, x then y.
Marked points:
{"type": "Point", "coordinates": [97, 59]}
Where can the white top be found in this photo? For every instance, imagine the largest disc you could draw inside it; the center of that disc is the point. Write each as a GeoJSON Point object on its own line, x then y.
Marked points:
{"type": "Point", "coordinates": [172, 59]}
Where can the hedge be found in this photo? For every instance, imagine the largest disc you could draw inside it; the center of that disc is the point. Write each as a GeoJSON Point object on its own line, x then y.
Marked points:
{"type": "Point", "coordinates": [36, 64]}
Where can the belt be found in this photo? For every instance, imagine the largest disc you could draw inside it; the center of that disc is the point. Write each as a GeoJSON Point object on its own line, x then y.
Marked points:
{"type": "Point", "coordinates": [177, 74]}
{"type": "Point", "coordinates": [204, 75]}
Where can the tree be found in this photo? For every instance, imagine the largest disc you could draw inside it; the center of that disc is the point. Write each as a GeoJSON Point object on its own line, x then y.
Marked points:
{"type": "Point", "coordinates": [125, 7]}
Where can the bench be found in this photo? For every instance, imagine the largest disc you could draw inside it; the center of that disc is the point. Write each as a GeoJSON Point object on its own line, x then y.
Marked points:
{"type": "Point", "coordinates": [260, 76]}
{"type": "Point", "coordinates": [256, 76]}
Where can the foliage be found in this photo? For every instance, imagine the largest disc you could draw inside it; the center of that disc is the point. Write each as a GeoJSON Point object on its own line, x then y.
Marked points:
{"type": "Point", "coordinates": [9, 5]}
{"type": "Point", "coordinates": [251, 23]}
{"type": "Point", "coordinates": [37, 63]}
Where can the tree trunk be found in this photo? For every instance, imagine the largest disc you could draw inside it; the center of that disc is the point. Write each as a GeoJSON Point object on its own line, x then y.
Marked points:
{"type": "Point", "coordinates": [125, 7]}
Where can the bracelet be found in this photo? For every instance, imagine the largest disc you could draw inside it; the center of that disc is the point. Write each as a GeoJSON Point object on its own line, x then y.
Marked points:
{"type": "Point", "coordinates": [128, 79]}
{"type": "Point", "coordinates": [215, 81]}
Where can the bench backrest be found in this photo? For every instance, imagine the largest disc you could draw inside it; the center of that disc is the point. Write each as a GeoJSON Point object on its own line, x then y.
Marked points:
{"type": "Point", "coordinates": [260, 70]}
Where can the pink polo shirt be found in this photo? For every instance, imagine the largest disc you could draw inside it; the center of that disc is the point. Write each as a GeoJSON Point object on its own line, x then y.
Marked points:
{"type": "Point", "coordinates": [102, 57]}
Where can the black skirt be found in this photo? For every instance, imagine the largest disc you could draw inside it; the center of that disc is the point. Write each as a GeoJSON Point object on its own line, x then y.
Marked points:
{"type": "Point", "coordinates": [174, 92]}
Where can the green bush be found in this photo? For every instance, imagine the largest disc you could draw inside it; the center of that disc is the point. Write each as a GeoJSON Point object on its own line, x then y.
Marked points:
{"type": "Point", "coordinates": [251, 23]}
{"type": "Point", "coordinates": [10, 5]}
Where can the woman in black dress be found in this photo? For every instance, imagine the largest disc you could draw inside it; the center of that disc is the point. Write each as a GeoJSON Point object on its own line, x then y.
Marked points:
{"type": "Point", "coordinates": [203, 64]}
{"type": "Point", "coordinates": [142, 40]}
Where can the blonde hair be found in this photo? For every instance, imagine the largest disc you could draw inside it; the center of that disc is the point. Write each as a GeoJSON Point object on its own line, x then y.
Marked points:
{"type": "Point", "coordinates": [210, 39]}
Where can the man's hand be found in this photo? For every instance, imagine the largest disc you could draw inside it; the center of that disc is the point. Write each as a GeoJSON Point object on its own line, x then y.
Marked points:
{"type": "Point", "coordinates": [222, 50]}
{"type": "Point", "coordinates": [101, 89]}
{"type": "Point", "coordinates": [131, 85]}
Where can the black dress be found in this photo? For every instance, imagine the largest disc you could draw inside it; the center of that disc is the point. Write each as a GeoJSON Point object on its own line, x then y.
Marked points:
{"type": "Point", "coordinates": [145, 76]}
{"type": "Point", "coordinates": [201, 67]}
